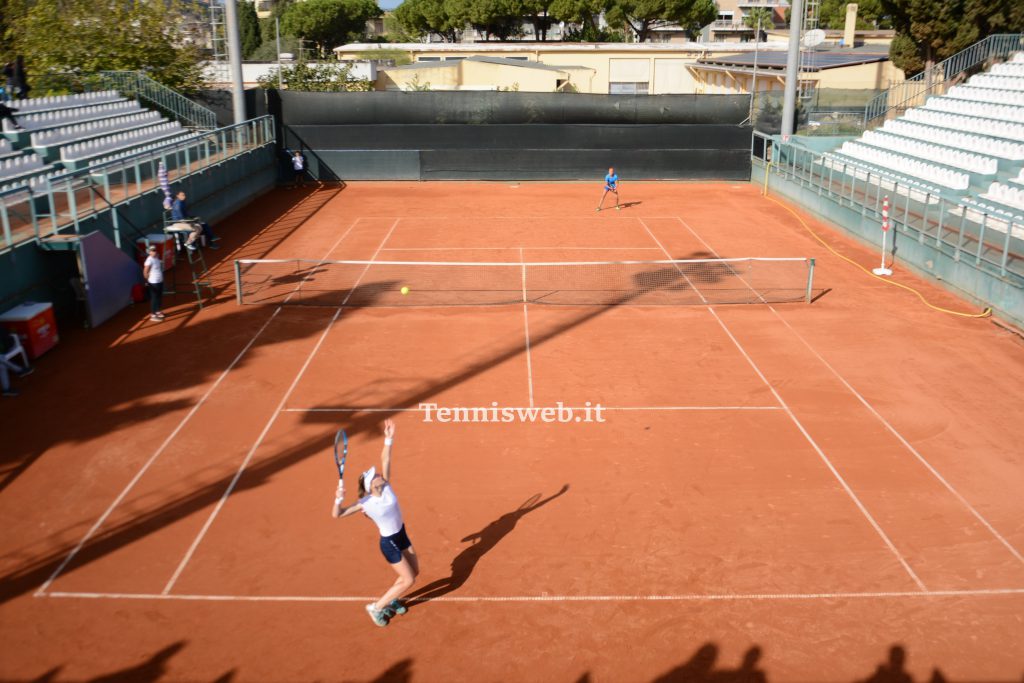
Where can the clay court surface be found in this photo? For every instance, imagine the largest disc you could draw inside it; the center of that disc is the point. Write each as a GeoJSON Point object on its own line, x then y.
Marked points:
{"type": "Point", "coordinates": [779, 492]}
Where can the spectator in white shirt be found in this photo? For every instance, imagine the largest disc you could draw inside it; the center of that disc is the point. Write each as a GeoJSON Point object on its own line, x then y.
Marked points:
{"type": "Point", "coordinates": [153, 271]}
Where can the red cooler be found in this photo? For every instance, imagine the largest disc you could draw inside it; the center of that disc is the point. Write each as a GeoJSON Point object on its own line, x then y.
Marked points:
{"type": "Point", "coordinates": [35, 326]}
{"type": "Point", "coordinates": [164, 248]}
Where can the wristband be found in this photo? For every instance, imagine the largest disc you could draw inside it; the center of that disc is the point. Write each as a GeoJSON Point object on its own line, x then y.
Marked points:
{"type": "Point", "coordinates": [388, 442]}
{"type": "Point", "coordinates": [337, 501]}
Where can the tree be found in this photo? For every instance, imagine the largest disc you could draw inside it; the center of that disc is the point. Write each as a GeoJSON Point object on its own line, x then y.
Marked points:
{"type": "Point", "coordinates": [316, 78]}
{"type": "Point", "coordinates": [248, 28]}
{"type": "Point", "coordinates": [99, 35]}
{"type": "Point", "coordinates": [499, 19]}
{"type": "Point", "coordinates": [329, 23]}
{"type": "Point", "coordinates": [586, 14]}
{"type": "Point", "coordinates": [11, 12]}
{"type": "Point", "coordinates": [938, 29]}
{"type": "Point", "coordinates": [268, 26]}
{"type": "Point", "coordinates": [538, 13]}
{"type": "Point", "coordinates": [421, 17]}
{"type": "Point", "coordinates": [760, 17]}
{"type": "Point", "coordinates": [870, 15]}
{"type": "Point", "coordinates": [643, 16]}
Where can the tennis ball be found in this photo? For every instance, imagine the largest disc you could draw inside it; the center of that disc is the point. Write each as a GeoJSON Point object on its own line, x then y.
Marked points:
{"type": "Point", "coordinates": [405, 290]}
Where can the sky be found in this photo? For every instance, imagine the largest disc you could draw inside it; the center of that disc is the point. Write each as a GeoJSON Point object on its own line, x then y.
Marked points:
{"type": "Point", "coordinates": [389, 4]}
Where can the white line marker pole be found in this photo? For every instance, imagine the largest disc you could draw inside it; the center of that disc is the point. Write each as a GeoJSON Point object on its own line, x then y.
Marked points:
{"type": "Point", "coordinates": [882, 270]}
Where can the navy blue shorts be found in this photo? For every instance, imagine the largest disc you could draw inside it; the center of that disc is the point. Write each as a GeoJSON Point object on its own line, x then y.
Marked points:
{"type": "Point", "coordinates": [393, 545]}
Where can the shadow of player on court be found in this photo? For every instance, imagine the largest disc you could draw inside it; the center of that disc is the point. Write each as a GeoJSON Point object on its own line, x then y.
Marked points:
{"type": "Point", "coordinates": [894, 669]}
{"type": "Point", "coordinates": [701, 668]}
{"type": "Point", "coordinates": [482, 543]}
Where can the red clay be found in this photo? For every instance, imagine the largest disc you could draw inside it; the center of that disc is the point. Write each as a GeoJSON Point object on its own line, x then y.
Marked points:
{"type": "Point", "coordinates": [805, 486]}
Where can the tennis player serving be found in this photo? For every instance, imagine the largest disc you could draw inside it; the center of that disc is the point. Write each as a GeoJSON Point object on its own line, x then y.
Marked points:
{"type": "Point", "coordinates": [611, 184]}
{"type": "Point", "coordinates": [378, 502]}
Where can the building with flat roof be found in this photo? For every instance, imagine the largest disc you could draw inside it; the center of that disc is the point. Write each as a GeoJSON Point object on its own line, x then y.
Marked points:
{"type": "Point", "coordinates": [595, 68]}
{"type": "Point", "coordinates": [618, 68]}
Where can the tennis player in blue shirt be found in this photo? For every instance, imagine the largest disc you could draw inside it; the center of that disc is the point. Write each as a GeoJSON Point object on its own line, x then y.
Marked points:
{"type": "Point", "coordinates": [611, 184]}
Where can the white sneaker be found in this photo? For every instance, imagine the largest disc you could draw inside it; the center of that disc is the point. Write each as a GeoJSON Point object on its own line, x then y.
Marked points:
{"type": "Point", "coordinates": [377, 615]}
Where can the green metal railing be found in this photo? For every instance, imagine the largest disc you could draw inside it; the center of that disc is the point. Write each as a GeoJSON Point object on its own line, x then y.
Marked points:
{"type": "Point", "coordinates": [137, 84]}
{"type": "Point", "coordinates": [987, 239]}
{"type": "Point", "coordinates": [935, 81]}
{"type": "Point", "coordinates": [68, 199]}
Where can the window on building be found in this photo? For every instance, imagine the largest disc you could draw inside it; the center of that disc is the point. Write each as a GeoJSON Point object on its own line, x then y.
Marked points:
{"type": "Point", "coordinates": [428, 59]}
{"type": "Point", "coordinates": [453, 59]}
{"type": "Point", "coordinates": [628, 88]}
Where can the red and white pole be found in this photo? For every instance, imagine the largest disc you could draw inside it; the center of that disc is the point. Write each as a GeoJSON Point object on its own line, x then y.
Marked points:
{"type": "Point", "coordinates": [882, 270]}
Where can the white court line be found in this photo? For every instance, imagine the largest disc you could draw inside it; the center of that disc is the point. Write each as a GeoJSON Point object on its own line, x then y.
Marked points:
{"type": "Point", "coordinates": [526, 326]}
{"type": "Point", "coordinates": [603, 408]}
{"type": "Point", "coordinates": [238, 475]}
{"type": "Point", "coordinates": [828, 463]}
{"type": "Point", "coordinates": [559, 248]}
{"type": "Point", "coordinates": [927, 465]}
{"type": "Point", "coordinates": [682, 597]}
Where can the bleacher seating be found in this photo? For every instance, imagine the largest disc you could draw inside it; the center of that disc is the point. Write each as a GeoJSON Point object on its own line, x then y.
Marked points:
{"type": "Point", "coordinates": [1004, 194]}
{"type": "Point", "coordinates": [120, 141]}
{"type": "Point", "coordinates": [933, 173]}
{"type": "Point", "coordinates": [960, 122]}
{"type": "Point", "coordinates": [64, 117]}
{"type": "Point", "coordinates": [34, 183]}
{"type": "Point", "coordinates": [990, 146]}
{"type": "Point", "coordinates": [1008, 69]}
{"type": "Point", "coordinates": [1008, 82]}
{"type": "Point", "coordinates": [984, 110]}
{"type": "Point", "coordinates": [967, 92]}
{"type": "Point", "coordinates": [143, 148]}
{"type": "Point", "coordinates": [38, 104]}
{"type": "Point", "coordinates": [935, 153]}
{"type": "Point", "coordinates": [21, 165]}
{"type": "Point", "coordinates": [968, 144]}
{"type": "Point", "coordinates": [68, 134]}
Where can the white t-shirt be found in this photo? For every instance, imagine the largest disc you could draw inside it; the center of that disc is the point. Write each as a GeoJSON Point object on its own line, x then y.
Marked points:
{"type": "Point", "coordinates": [156, 269]}
{"type": "Point", "coordinates": [298, 163]}
{"type": "Point", "coordinates": [384, 511]}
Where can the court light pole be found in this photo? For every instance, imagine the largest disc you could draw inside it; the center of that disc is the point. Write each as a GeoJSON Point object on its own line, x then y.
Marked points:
{"type": "Point", "coordinates": [792, 68]}
{"type": "Point", "coordinates": [753, 82]}
{"type": "Point", "coordinates": [235, 60]}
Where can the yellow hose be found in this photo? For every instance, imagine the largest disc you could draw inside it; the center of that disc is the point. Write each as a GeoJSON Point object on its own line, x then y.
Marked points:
{"type": "Point", "coordinates": [984, 314]}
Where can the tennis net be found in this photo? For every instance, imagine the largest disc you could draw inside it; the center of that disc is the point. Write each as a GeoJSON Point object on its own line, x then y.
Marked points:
{"type": "Point", "coordinates": [604, 283]}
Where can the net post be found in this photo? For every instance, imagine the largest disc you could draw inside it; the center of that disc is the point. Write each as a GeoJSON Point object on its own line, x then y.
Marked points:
{"type": "Point", "coordinates": [810, 279]}
{"type": "Point", "coordinates": [238, 282]}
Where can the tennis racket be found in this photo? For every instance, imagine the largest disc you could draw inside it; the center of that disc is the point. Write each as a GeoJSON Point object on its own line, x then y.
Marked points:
{"type": "Point", "coordinates": [339, 459]}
